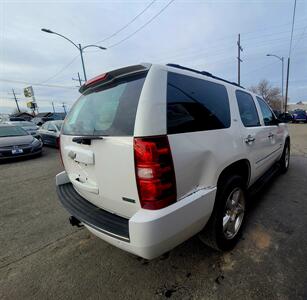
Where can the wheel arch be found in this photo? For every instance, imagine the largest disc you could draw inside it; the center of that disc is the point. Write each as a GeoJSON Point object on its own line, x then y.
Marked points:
{"type": "Point", "coordinates": [240, 167]}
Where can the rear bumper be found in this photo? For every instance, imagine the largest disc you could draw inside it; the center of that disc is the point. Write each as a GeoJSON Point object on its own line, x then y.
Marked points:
{"type": "Point", "coordinates": [154, 232]}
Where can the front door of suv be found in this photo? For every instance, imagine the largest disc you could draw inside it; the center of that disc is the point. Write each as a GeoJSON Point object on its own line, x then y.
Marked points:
{"type": "Point", "coordinates": [273, 133]}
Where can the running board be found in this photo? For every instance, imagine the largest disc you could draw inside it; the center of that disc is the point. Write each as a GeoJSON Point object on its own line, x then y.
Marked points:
{"type": "Point", "coordinates": [263, 180]}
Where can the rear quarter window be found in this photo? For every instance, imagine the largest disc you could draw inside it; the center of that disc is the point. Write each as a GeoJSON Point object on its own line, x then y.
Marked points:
{"type": "Point", "coordinates": [195, 104]}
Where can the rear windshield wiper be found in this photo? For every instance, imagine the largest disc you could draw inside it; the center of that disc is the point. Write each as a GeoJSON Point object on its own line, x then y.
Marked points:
{"type": "Point", "coordinates": [86, 140]}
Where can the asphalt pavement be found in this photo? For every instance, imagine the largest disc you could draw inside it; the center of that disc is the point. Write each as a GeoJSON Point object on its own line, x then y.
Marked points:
{"type": "Point", "coordinates": [43, 257]}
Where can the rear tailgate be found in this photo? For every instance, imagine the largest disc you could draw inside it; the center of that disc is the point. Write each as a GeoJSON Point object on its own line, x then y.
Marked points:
{"type": "Point", "coordinates": [97, 142]}
{"type": "Point", "coordinates": [103, 172]}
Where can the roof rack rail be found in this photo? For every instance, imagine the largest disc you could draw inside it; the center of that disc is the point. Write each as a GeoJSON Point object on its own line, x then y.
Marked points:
{"type": "Point", "coordinates": [203, 73]}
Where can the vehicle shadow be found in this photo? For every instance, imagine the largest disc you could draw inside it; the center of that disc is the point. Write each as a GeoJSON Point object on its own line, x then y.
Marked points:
{"type": "Point", "coordinates": [21, 159]}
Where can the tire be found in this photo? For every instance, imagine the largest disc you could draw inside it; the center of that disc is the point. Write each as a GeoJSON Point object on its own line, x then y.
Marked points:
{"type": "Point", "coordinates": [284, 161]}
{"type": "Point", "coordinates": [215, 234]}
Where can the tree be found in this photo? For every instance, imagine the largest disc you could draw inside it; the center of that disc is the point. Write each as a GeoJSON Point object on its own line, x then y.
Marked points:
{"type": "Point", "coordinates": [272, 95]}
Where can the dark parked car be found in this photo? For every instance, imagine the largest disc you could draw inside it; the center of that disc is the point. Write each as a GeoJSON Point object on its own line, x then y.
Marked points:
{"type": "Point", "coordinates": [285, 117]}
{"type": "Point", "coordinates": [299, 116]}
{"type": "Point", "coordinates": [16, 142]}
{"type": "Point", "coordinates": [49, 133]}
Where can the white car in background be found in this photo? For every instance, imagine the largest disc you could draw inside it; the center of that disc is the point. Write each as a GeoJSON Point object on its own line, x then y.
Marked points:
{"type": "Point", "coordinates": [156, 154]}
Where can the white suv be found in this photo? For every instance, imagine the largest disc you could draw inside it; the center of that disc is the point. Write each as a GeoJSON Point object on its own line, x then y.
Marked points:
{"type": "Point", "coordinates": [155, 154]}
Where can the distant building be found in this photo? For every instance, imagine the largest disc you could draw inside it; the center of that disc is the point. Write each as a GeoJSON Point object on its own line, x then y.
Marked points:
{"type": "Point", "coordinates": [299, 105]}
{"type": "Point", "coordinates": [52, 115]}
{"type": "Point", "coordinates": [23, 115]}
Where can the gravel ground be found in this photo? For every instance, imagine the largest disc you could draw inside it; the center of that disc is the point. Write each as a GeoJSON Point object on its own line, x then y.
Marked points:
{"type": "Point", "coordinates": [43, 257]}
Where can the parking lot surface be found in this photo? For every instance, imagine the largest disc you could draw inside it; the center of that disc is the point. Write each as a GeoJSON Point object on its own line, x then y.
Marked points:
{"type": "Point", "coordinates": [43, 257]}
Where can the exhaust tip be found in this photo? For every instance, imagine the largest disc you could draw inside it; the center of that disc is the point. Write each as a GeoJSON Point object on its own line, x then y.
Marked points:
{"type": "Point", "coordinates": [74, 221]}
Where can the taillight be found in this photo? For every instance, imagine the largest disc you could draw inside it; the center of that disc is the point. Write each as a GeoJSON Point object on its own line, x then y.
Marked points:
{"type": "Point", "coordinates": [155, 174]}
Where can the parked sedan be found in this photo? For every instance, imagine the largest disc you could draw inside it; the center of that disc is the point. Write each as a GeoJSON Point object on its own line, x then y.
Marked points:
{"type": "Point", "coordinates": [16, 142]}
{"type": "Point", "coordinates": [49, 133]}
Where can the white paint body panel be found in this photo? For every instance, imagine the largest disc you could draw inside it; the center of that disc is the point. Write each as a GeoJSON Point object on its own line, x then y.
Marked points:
{"type": "Point", "coordinates": [104, 172]}
{"type": "Point", "coordinates": [152, 233]}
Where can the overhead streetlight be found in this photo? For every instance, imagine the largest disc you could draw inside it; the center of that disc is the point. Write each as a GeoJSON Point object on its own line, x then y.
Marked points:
{"type": "Point", "coordinates": [282, 75]}
{"type": "Point", "coordinates": [79, 47]}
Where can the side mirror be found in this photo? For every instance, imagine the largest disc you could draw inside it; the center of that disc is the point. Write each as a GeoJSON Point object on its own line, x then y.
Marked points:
{"type": "Point", "coordinates": [52, 130]}
{"type": "Point", "coordinates": [277, 121]}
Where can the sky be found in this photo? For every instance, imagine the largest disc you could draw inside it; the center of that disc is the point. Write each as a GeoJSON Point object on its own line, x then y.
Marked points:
{"type": "Point", "coordinates": [198, 34]}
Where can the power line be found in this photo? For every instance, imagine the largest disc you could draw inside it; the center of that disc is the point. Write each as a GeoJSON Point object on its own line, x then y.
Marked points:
{"type": "Point", "coordinates": [143, 26]}
{"type": "Point", "coordinates": [130, 22]}
{"type": "Point", "coordinates": [37, 84]}
{"type": "Point", "coordinates": [288, 68]}
{"type": "Point", "coordinates": [60, 71]}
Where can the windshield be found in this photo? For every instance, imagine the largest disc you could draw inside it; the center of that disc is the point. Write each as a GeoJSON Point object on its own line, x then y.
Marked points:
{"type": "Point", "coordinates": [58, 125]}
{"type": "Point", "coordinates": [107, 110]}
{"type": "Point", "coordinates": [6, 131]}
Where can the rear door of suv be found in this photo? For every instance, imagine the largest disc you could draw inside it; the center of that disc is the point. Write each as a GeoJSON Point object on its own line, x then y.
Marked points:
{"type": "Point", "coordinates": [97, 140]}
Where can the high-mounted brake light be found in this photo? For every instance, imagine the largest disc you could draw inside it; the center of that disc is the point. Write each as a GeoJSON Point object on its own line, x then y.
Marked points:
{"type": "Point", "coordinates": [100, 77]}
{"type": "Point", "coordinates": [155, 173]}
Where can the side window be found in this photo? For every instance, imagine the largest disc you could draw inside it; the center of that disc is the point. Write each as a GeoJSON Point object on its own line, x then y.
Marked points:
{"type": "Point", "coordinates": [44, 126]}
{"type": "Point", "coordinates": [268, 116]}
{"type": "Point", "coordinates": [247, 108]}
{"type": "Point", "coordinates": [195, 104]}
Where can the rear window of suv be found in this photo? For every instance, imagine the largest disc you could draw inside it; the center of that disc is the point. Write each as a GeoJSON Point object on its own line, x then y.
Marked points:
{"type": "Point", "coordinates": [108, 109]}
{"type": "Point", "coordinates": [195, 104]}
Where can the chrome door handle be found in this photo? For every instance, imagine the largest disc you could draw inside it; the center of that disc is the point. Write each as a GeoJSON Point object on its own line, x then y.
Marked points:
{"type": "Point", "coordinates": [270, 135]}
{"type": "Point", "coordinates": [249, 139]}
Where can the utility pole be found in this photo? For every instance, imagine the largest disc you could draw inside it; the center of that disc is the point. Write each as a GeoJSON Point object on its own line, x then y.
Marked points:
{"type": "Point", "coordinates": [240, 49]}
{"type": "Point", "coordinates": [53, 107]}
{"type": "Point", "coordinates": [287, 85]}
{"type": "Point", "coordinates": [16, 100]}
{"type": "Point", "coordinates": [63, 105]}
{"type": "Point", "coordinates": [79, 79]}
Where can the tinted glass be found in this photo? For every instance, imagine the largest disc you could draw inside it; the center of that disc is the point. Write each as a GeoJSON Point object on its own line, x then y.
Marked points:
{"type": "Point", "coordinates": [11, 131]}
{"type": "Point", "coordinates": [106, 110]}
{"type": "Point", "coordinates": [195, 104]}
{"type": "Point", "coordinates": [247, 109]}
{"type": "Point", "coordinates": [267, 114]}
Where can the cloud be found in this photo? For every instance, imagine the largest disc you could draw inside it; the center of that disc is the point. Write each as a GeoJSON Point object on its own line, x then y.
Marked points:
{"type": "Point", "coordinates": [200, 34]}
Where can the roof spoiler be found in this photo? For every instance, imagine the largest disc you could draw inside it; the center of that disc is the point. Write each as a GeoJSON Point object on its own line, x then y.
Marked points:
{"type": "Point", "coordinates": [110, 76]}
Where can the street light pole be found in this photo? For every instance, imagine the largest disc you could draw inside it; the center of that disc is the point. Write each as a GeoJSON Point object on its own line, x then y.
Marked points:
{"type": "Point", "coordinates": [282, 76]}
{"type": "Point", "coordinates": [82, 60]}
{"type": "Point", "coordinates": [79, 47]}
